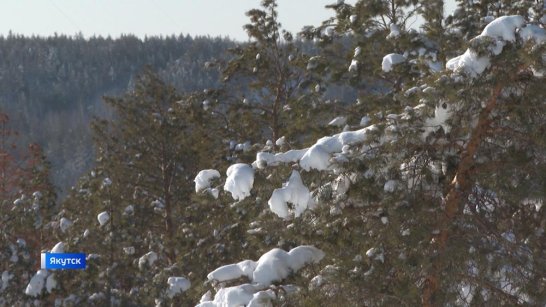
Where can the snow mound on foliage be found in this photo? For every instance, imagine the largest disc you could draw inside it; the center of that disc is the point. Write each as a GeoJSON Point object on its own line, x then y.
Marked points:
{"type": "Point", "coordinates": [149, 258]}
{"type": "Point", "coordinates": [469, 63]}
{"type": "Point", "coordinates": [203, 179]}
{"type": "Point", "coordinates": [533, 32]}
{"type": "Point", "coordinates": [501, 30]}
{"type": "Point", "coordinates": [317, 156]}
{"type": "Point", "coordinates": [64, 224]}
{"type": "Point", "coordinates": [233, 271]}
{"type": "Point", "coordinates": [391, 59]}
{"type": "Point", "coordinates": [294, 192]}
{"type": "Point", "coordinates": [265, 158]}
{"type": "Point", "coordinates": [36, 284]}
{"type": "Point", "coordinates": [504, 27]}
{"type": "Point", "coordinates": [339, 121]}
{"type": "Point", "coordinates": [58, 248]}
{"type": "Point", "coordinates": [103, 217]}
{"type": "Point", "coordinates": [274, 265]}
{"type": "Point", "coordinates": [177, 285]}
{"type": "Point", "coordinates": [277, 264]}
{"type": "Point", "coordinates": [242, 295]}
{"type": "Point", "coordinates": [240, 178]}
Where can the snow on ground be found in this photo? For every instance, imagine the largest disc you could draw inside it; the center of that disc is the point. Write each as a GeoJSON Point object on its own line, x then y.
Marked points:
{"type": "Point", "coordinates": [391, 59]}
{"type": "Point", "coordinates": [103, 217]}
{"type": "Point", "coordinates": [294, 192]}
{"type": "Point", "coordinates": [203, 179]}
{"type": "Point", "coordinates": [240, 178]}
{"type": "Point", "coordinates": [177, 285]}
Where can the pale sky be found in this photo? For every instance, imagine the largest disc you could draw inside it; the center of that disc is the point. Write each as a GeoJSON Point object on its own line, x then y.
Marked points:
{"type": "Point", "coordinates": [149, 17]}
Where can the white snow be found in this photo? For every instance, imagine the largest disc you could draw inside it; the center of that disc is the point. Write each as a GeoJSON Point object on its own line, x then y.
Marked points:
{"type": "Point", "coordinates": [277, 264]}
{"type": "Point", "coordinates": [442, 113]}
{"type": "Point", "coordinates": [103, 217]}
{"type": "Point", "coordinates": [106, 182]}
{"type": "Point", "coordinates": [272, 266]}
{"type": "Point", "coordinates": [313, 63]}
{"type": "Point", "coordinates": [149, 258]}
{"type": "Point", "coordinates": [51, 283]}
{"type": "Point", "coordinates": [64, 224]}
{"type": "Point", "coordinates": [129, 250]}
{"type": "Point", "coordinates": [390, 186]}
{"type": "Point", "coordinates": [280, 141]}
{"type": "Point", "coordinates": [232, 296]}
{"type": "Point", "coordinates": [275, 159]}
{"type": "Point", "coordinates": [177, 285]}
{"type": "Point", "coordinates": [36, 284]}
{"type": "Point", "coordinates": [504, 27]}
{"type": "Point", "coordinates": [6, 277]}
{"type": "Point", "coordinates": [317, 157]}
{"type": "Point", "coordinates": [533, 32]}
{"type": "Point", "coordinates": [469, 63]}
{"type": "Point", "coordinates": [338, 121]}
{"type": "Point", "coordinates": [262, 299]}
{"type": "Point", "coordinates": [395, 31]}
{"type": "Point", "coordinates": [365, 121]}
{"type": "Point", "coordinates": [353, 66]}
{"type": "Point", "coordinates": [502, 30]}
{"type": "Point", "coordinates": [204, 178]}
{"type": "Point", "coordinates": [358, 50]}
{"type": "Point", "coordinates": [58, 248]}
{"type": "Point", "coordinates": [293, 192]}
{"type": "Point", "coordinates": [240, 178]}
{"type": "Point", "coordinates": [233, 271]}
{"type": "Point", "coordinates": [391, 59]}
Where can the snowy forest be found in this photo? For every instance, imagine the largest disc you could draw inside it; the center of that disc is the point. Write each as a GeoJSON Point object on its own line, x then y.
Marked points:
{"type": "Point", "coordinates": [364, 161]}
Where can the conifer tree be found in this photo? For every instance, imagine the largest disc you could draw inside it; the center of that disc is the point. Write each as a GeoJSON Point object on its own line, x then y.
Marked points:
{"type": "Point", "coordinates": [439, 202]}
{"type": "Point", "coordinates": [273, 88]}
{"type": "Point", "coordinates": [27, 203]}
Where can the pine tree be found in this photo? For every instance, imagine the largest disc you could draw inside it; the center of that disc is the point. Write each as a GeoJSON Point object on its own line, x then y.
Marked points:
{"type": "Point", "coordinates": [440, 202]}
{"type": "Point", "coordinates": [27, 203]}
{"type": "Point", "coordinates": [273, 88]}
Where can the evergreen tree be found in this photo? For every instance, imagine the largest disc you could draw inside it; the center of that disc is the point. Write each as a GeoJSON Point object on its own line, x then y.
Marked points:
{"type": "Point", "coordinates": [273, 88]}
{"type": "Point", "coordinates": [439, 203]}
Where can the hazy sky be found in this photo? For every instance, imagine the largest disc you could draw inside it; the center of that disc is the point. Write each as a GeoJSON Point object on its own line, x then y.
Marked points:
{"type": "Point", "coordinates": [149, 17]}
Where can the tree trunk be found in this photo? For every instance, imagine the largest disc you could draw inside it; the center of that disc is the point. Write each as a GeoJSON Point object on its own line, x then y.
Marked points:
{"type": "Point", "coordinates": [455, 199]}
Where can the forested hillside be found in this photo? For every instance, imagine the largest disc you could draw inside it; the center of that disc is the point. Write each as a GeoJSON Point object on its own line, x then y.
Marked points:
{"type": "Point", "coordinates": [52, 87]}
{"type": "Point", "coordinates": [361, 162]}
